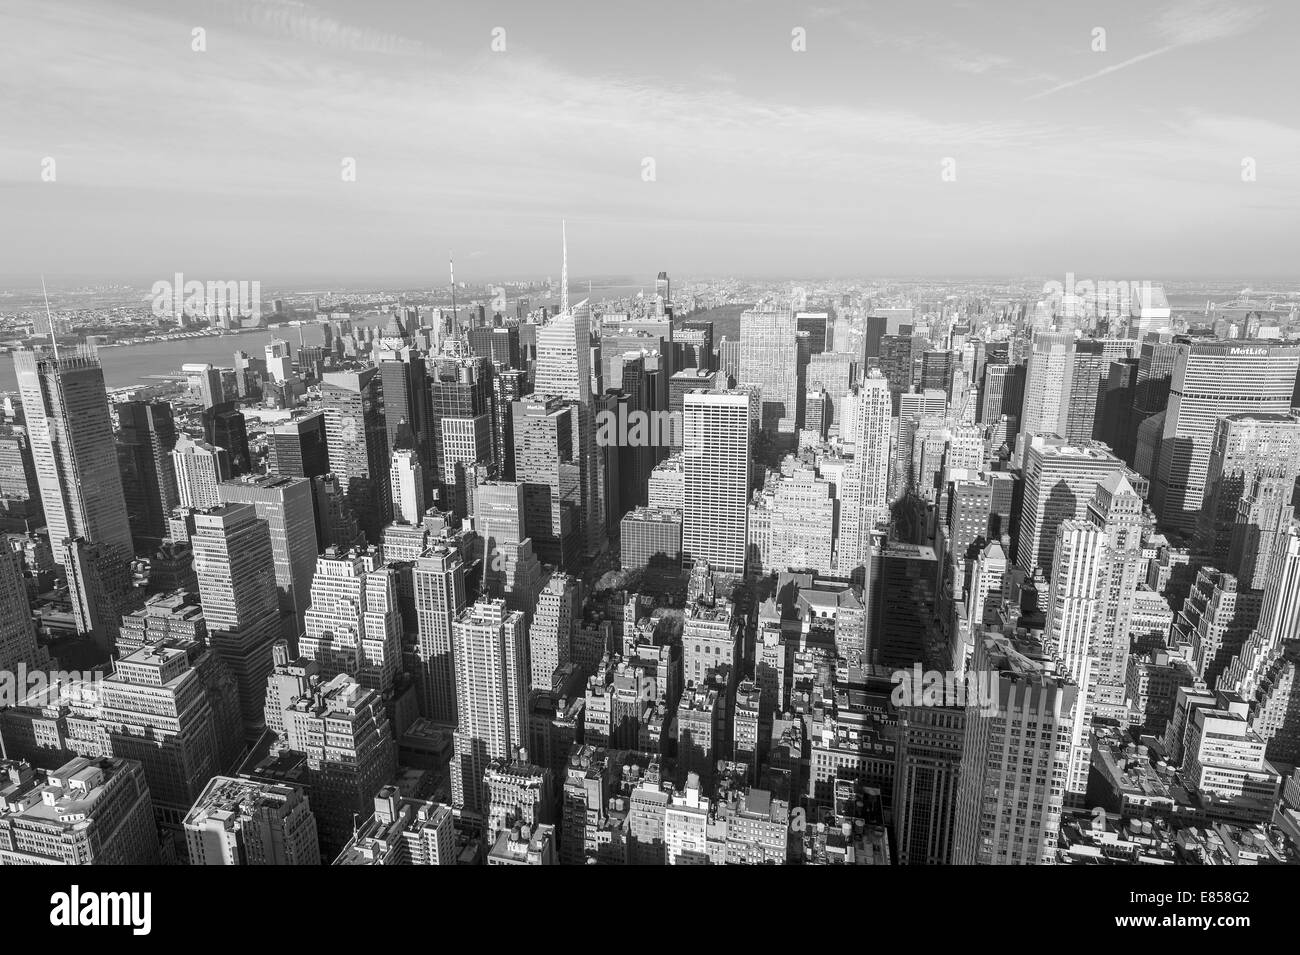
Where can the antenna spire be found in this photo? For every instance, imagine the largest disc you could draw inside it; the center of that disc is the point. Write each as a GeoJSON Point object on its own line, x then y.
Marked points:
{"type": "Point", "coordinates": [564, 268]}
{"type": "Point", "coordinates": [54, 339]}
{"type": "Point", "coordinates": [455, 318]}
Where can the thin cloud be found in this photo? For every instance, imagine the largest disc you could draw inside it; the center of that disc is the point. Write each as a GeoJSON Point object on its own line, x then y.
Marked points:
{"type": "Point", "coordinates": [294, 20]}
{"type": "Point", "coordinates": [1114, 68]}
{"type": "Point", "coordinates": [954, 55]}
{"type": "Point", "coordinates": [1204, 21]}
{"type": "Point", "coordinates": [1187, 24]}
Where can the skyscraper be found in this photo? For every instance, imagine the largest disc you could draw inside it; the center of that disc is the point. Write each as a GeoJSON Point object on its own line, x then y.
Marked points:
{"type": "Point", "coordinates": [1011, 792]}
{"type": "Point", "coordinates": [1279, 618]}
{"type": "Point", "coordinates": [563, 370]}
{"type": "Point", "coordinates": [146, 436]}
{"type": "Point", "coordinates": [406, 475]}
{"type": "Point", "coordinates": [17, 632]}
{"type": "Point", "coordinates": [1215, 622]}
{"type": "Point", "coordinates": [405, 392]}
{"type": "Point", "coordinates": [1264, 512]}
{"type": "Point", "coordinates": [1086, 374]}
{"type": "Point", "coordinates": [235, 565]}
{"type": "Point", "coordinates": [279, 360]}
{"type": "Point", "coordinates": [247, 822]}
{"type": "Point", "coordinates": [357, 437]}
{"type": "Point", "coordinates": [1211, 380]}
{"type": "Point", "coordinates": [172, 706]}
{"type": "Point", "coordinates": [867, 492]}
{"type": "Point", "coordinates": [204, 383]}
{"type": "Point", "coordinates": [353, 625]}
{"type": "Point", "coordinates": [717, 447]}
{"type": "Point", "coordinates": [511, 569]}
{"type": "Point", "coordinates": [1244, 448]}
{"type": "Point", "coordinates": [343, 731]}
{"type": "Point", "coordinates": [1116, 511]}
{"type": "Point", "coordinates": [20, 493]}
{"type": "Point", "coordinates": [199, 468]}
{"type": "Point", "coordinates": [66, 409]}
{"type": "Point", "coordinates": [1047, 384]}
{"type": "Point", "coordinates": [250, 372]}
{"type": "Point", "coordinates": [462, 405]}
{"type": "Point", "coordinates": [163, 617]}
{"type": "Point", "coordinates": [491, 659]}
{"type": "Point", "coordinates": [1151, 390]}
{"type": "Point", "coordinates": [224, 427]}
{"type": "Point", "coordinates": [927, 772]}
{"type": "Point", "coordinates": [896, 361]}
{"type": "Point", "coordinates": [988, 584]}
{"type": "Point", "coordinates": [876, 326]}
{"type": "Point", "coordinates": [693, 347]}
{"type": "Point", "coordinates": [508, 386]}
{"type": "Point", "coordinates": [548, 465]}
{"type": "Point", "coordinates": [817, 325]}
{"type": "Point", "coordinates": [651, 537]}
{"type": "Point", "coordinates": [500, 345]}
{"type": "Point", "coordinates": [100, 588]}
{"type": "Point", "coordinates": [285, 503]}
{"type": "Point", "coordinates": [559, 609]}
{"type": "Point", "coordinates": [937, 371]}
{"type": "Point", "coordinates": [633, 459]}
{"type": "Point", "coordinates": [1115, 407]}
{"type": "Point", "coordinates": [296, 448]}
{"type": "Point", "coordinates": [439, 582]}
{"type": "Point", "coordinates": [914, 408]}
{"type": "Point", "coordinates": [769, 360]}
{"type": "Point", "coordinates": [792, 523]}
{"type": "Point", "coordinates": [564, 355]}
{"type": "Point", "coordinates": [1076, 609]}
{"type": "Point", "coordinates": [86, 812]}
{"type": "Point", "coordinates": [1002, 393]}
{"type": "Point", "coordinates": [1059, 481]}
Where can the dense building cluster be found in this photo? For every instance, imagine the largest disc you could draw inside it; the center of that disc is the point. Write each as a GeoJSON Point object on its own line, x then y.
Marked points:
{"type": "Point", "coordinates": [815, 577]}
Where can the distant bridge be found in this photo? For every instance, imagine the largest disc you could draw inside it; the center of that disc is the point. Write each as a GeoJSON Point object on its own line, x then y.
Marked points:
{"type": "Point", "coordinates": [1244, 303]}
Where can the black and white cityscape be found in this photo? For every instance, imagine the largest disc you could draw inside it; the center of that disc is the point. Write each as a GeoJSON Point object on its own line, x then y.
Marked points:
{"type": "Point", "coordinates": [774, 434]}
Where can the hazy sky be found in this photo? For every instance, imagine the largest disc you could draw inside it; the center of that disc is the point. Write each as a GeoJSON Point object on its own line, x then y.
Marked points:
{"type": "Point", "coordinates": [1122, 164]}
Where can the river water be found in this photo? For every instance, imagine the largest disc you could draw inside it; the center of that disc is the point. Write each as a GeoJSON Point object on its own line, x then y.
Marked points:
{"type": "Point", "coordinates": [126, 365]}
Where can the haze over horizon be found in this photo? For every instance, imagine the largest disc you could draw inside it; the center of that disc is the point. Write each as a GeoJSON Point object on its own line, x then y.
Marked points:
{"type": "Point", "coordinates": [1122, 164]}
{"type": "Point", "coordinates": [1175, 286]}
